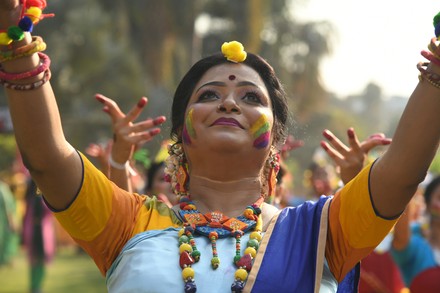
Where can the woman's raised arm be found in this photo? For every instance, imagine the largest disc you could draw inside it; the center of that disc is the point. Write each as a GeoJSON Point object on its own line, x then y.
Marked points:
{"type": "Point", "coordinates": [54, 164]}
{"type": "Point", "coordinates": [397, 174]}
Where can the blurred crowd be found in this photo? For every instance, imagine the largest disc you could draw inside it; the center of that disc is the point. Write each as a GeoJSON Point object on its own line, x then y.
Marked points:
{"type": "Point", "coordinates": [406, 261]}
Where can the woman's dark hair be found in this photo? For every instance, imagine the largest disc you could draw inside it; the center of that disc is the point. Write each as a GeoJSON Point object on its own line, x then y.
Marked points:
{"type": "Point", "coordinates": [281, 174]}
{"type": "Point", "coordinates": [151, 172]}
{"type": "Point", "coordinates": [430, 188]}
{"type": "Point", "coordinates": [267, 74]}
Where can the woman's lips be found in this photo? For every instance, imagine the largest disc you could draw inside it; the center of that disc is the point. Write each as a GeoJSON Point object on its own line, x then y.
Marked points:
{"type": "Point", "coordinates": [227, 122]}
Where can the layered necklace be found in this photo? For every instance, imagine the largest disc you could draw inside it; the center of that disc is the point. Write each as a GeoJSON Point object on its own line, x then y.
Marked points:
{"type": "Point", "coordinates": [215, 225]}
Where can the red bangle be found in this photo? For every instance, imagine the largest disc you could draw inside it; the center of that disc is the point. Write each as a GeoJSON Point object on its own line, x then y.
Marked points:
{"type": "Point", "coordinates": [33, 72]}
{"type": "Point", "coordinates": [27, 87]}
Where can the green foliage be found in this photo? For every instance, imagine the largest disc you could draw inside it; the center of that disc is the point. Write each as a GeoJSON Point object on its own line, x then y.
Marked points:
{"type": "Point", "coordinates": [435, 165]}
{"type": "Point", "coordinates": [7, 151]}
{"type": "Point", "coordinates": [130, 49]}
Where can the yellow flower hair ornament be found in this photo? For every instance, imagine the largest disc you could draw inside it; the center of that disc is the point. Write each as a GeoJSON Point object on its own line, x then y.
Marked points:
{"type": "Point", "coordinates": [234, 51]}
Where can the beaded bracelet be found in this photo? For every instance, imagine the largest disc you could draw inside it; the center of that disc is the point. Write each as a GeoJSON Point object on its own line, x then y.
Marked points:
{"type": "Point", "coordinates": [433, 83]}
{"type": "Point", "coordinates": [27, 87]}
{"type": "Point", "coordinates": [37, 45]}
{"type": "Point", "coordinates": [430, 77]}
{"type": "Point", "coordinates": [33, 72]}
{"type": "Point", "coordinates": [117, 165]}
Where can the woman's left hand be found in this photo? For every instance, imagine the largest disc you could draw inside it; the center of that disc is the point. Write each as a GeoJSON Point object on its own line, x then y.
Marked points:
{"type": "Point", "coordinates": [127, 133]}
{"type": "Point", "coordinates": [350, 160]}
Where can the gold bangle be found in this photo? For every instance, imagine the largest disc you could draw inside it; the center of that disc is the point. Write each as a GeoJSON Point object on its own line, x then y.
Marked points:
{"type": "Point", "coordinates": [37, 45]}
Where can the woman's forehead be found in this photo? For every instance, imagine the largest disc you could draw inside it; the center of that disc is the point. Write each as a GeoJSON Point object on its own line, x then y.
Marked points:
{"type": "Point", "coordinates": [231, 72]}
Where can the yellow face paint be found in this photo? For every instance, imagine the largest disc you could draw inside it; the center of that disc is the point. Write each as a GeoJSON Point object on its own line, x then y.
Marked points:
{"type": "Point", "coordinates": [260, 130]}
{"type": "Point", "coordinates": [188, 129]}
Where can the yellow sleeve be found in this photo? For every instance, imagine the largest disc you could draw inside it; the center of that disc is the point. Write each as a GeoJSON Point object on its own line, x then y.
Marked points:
{"type": "Point", "coordinates": [103, 217]}
{"type": "Point", "coordinates": [354, 228]}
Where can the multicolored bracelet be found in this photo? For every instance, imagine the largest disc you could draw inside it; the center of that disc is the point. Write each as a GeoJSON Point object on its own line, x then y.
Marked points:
{"type": "Point", "coordinates": [31, 14]}
{"type": "Point", "coordinates": [27, 87]}
{"type": "Point", "coordinates": [433, 56]}
{"type": "Point", "coordinates": [45, 64]}
{"type": "Point", "coordinates": [37, 45]}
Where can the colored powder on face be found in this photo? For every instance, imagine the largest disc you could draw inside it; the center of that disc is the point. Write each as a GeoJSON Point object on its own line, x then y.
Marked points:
{"type": "Point", "coordinates": [188, 129]}
{"type": "Point", "coordinates": [260, 131]}
{"type": "Point", "coordinates": [262, 141]}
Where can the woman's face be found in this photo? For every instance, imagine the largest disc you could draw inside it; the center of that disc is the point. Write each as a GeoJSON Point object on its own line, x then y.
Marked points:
{"type": "Point", "coordinates": [229, 108]}
{"type": "Point", "coordinates": [160, 185]}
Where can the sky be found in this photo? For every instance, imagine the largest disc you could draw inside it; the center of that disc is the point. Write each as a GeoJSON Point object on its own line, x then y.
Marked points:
{"type": "Point", "coordinates": [376, 41]}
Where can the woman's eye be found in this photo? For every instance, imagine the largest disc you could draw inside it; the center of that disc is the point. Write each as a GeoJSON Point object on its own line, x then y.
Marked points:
{"type": "Point", "coordinates": [207, 96]}
{"type": "Point", "coordinates": [252, 97]}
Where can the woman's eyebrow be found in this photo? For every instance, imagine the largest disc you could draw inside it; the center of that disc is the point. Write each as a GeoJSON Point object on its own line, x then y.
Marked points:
{"type": "Point", "coordinates": [223, 84]}
{"type": "Point", "coordinates": [216, 83]}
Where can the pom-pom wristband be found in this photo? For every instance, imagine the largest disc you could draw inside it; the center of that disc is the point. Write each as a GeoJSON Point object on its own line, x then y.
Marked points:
{"type": "Point", "coordinates": [31, 14]}
{"type": "Point", "coordinates": [33, 72]}
{"type": "Point", "coordinates": [117, 165]}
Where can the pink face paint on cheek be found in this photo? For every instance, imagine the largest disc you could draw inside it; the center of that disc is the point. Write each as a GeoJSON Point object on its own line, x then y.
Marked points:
{"type": "Point", "coordinates": [260, 130]}
{"type": "Point", "coordinates": [188, 129]}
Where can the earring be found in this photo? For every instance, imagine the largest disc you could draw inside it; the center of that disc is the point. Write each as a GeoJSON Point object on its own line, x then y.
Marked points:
{"type": "Point", "coordinates": [176, 169]}
{"type": "Point", "coordinates": [271, 171]}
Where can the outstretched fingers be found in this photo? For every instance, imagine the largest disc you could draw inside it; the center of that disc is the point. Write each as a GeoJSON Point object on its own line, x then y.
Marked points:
{"type": "Point", "coordinates": [335, 143]}
{"type": "Point", "coordinates": [353, 141]}
{"type": "Point", "coordinates": [144, 131]}
{"type": "Point", "coordinates": [373, 141]}
{"type": "Point", "coordinates": [110, 107]}
{"type": "Point", "coordinates": [134, 113]}
{"type": "Point", "coordinates": [332, 153]}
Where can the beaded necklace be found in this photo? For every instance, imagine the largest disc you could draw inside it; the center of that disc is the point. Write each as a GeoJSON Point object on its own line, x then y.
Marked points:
{"type": "Point", "coordinates": [215, 225]}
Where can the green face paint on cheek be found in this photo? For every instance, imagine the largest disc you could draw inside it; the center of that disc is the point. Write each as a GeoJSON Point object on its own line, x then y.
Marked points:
{"type": "Point", "coordinates": [188, 129]}
{"type": "Point", "coordinates": [260, 130]}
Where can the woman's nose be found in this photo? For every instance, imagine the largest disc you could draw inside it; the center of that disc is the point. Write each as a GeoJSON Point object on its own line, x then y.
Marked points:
{"type": "Point", "coordinates": [229, 105]}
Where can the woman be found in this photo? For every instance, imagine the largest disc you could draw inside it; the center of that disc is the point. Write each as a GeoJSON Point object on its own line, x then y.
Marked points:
{"type": "Point", "coordinates": [38, 237]}
{"type": "Point", "coordinates": [228, 118]}
{"type": "Point", "coordinates": [157, 184]}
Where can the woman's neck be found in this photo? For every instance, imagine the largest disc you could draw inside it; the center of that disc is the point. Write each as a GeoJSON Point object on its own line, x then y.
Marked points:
{"type": "Point", "coordinates": [228, 197]}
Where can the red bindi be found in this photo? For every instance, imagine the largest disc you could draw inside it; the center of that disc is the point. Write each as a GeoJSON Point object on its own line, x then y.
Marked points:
{"type": "Point", "coordinates": [231, 77]}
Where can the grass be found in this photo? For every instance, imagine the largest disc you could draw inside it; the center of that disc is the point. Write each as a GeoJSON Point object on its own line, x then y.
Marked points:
{"type": "Point", "coordinates": [68, 272]}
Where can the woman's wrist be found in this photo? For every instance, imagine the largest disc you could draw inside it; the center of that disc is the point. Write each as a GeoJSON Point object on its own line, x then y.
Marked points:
{"type": "Point", "coordinates": [116, 165]}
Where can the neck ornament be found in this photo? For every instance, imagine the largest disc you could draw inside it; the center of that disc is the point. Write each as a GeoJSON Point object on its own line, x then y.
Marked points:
{"type": "Point", "coordinates": [216, 225]}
